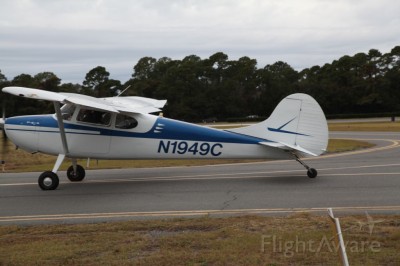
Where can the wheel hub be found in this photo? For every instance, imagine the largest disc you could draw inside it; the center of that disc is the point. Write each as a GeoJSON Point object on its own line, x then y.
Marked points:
{"type": "Point", "coordinates": [47, 181]}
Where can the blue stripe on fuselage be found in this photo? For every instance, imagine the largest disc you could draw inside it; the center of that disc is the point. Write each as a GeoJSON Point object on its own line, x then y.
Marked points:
{"type": "Point", "coordinates": [173, 129]}
{"type": "Point", "coordinates": [163, 128]}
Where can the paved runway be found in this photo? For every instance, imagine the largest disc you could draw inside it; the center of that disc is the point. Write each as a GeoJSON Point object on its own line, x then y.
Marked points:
{"type": "Point", "coordinates": [349, 182]}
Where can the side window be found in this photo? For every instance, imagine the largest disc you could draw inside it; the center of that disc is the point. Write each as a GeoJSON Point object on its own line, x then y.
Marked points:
{"type": "Point", "coordinates": [125, 122]}
{"type": "Point", "coordinates": [94, 117]}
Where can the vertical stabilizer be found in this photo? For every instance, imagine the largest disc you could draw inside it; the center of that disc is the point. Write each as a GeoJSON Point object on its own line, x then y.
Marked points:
{"type": "Point", "coordinates": [297, 123]}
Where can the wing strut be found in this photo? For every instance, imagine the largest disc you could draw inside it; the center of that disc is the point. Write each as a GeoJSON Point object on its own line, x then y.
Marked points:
{"type": "Point", "coordinates": [60, 122]}
{"type": "Point", "coordinates": [61, 127]}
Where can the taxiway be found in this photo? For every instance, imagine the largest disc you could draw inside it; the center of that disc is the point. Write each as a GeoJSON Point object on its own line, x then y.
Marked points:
{"type": "Point", "coordinates": [349, 182]}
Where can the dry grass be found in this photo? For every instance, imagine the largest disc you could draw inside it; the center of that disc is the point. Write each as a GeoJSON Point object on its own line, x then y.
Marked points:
{"type": "Point", "coordinates": [365, 126]}
{"type": "Point", "coordinates": [302, 239]}
{"type": "Point", "coordinates": [353, 126]}
{"type": "Point", "coordinates": [343, 145]}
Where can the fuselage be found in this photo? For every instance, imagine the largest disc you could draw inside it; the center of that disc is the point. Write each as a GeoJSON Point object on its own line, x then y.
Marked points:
{"type": "Point", "coordinates": [149, 137]}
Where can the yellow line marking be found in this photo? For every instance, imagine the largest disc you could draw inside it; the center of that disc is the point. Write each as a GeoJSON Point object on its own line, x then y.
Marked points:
{"type": "Point", "coordinates": [394, 144]}
{"type": "Point", "coordinates": [53, 217]}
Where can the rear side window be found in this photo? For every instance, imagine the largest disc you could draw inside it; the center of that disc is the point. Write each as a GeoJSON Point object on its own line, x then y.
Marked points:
{"type": "Point", "coordinates": [125, 122]}
{"type": "Point", "coordinates": [94, 117]}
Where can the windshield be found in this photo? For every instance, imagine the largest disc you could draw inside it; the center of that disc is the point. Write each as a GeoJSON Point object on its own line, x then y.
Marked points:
{"type": "Point", "coordinates": [67, 111]}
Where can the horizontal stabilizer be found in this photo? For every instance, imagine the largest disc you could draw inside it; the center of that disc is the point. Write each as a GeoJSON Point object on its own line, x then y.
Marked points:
{"type": "Point", "coordinates": [286, 146]}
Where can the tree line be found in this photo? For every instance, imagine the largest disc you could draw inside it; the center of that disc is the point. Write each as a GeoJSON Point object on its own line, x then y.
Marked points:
{"type": "Point", "coordinates": [198, 89]}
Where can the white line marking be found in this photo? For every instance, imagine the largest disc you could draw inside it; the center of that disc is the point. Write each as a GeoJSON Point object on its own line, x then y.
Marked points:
{"type": "Point", "coordinates": [235, 175]}
{"type": "Point", "coordinates": [244, 175]}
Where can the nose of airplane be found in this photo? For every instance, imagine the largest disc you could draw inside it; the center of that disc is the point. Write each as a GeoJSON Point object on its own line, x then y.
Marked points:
{"type": "Point", "coordinates": [22, 132]}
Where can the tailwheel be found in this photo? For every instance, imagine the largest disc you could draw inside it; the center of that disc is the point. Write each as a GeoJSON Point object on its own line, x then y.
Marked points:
{"type": "Point", "coordinates": [76, 176]}
{"type": "Point", "coordinates": [48, 181]}
{"type": "Point", "coordinates": [312, 173]}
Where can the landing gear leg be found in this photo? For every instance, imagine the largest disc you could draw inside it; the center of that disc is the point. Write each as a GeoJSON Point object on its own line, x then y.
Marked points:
{"type": "Point", "coordinates": [75, 172]}
{"type": "Point", "coordinates": [311, 172]}
{"type": "Point", "coordinates": [49, 180]}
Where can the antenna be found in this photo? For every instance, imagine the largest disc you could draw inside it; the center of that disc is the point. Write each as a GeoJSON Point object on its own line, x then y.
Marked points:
{"type": "Point", "coordinates": [124, 90]}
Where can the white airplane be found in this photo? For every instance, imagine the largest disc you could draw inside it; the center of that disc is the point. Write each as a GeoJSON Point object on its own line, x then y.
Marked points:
{"type": "Point", "coordinates": [123, 128]}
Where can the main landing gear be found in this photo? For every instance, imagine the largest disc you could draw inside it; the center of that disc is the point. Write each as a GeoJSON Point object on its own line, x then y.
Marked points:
{"type": "Point", "coordinates": [49, 180]}
{"type": "Point", "coordinates": [311, 172]}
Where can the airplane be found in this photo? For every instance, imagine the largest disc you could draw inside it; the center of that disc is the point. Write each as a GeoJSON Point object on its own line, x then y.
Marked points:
{"type": "Point", "coordinates": [123, 127]}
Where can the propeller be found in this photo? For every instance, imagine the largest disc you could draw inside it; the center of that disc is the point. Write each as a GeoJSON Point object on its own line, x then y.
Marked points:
{"type": "Point", "coordinates": [3, 120]}
{"type": "Point", "coordinates": [4, 145]}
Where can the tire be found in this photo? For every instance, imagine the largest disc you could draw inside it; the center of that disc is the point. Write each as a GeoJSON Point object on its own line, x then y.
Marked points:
{"type": "Point", "coordinates": [312, 173]}
{"type": "Point", "coordinates": [48, 181]}
{"type": "Point", "coordinates": [78, 176]}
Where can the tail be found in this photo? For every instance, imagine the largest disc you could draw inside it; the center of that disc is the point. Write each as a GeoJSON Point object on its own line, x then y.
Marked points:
{"type": "Point", "coordinates": [297, 123]}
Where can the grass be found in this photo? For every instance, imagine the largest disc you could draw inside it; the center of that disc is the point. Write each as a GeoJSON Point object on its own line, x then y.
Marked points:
{"type": "Point", "coordinates": [301, 239]}
{"type": "Point", "coordinates": [353, 126]}
{"type": "Point", "coordinates": [365, 126]}
{"type": "Point", "coordinates": [343, 145]}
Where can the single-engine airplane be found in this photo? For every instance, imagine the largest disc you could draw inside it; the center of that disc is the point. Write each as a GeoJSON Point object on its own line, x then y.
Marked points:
{"type": "Point", "coordinates": [124, 128]}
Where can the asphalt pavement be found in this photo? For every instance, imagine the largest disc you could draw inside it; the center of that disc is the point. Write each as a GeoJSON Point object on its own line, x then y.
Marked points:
{"type": "Point", "coordinates": [351, 182]}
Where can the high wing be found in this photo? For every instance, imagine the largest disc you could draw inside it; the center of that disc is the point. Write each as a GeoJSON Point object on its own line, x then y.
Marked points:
{"type": "Point", "coordinates": [130, 104]}
{"type": "Point", "coordinates": [136, 104]}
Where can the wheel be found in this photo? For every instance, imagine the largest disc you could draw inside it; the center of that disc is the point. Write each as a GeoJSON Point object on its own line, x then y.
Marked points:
{"type": "Point", "coordinates": [48, 181]}
{"type": "Point", "coordinates": [312, 173]}
{"type": "Point", "coordinates": [77, 176]}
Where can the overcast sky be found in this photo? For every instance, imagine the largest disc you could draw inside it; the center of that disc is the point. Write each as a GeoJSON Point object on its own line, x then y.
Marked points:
{"type": "Point", "coordinates": [71, 37]}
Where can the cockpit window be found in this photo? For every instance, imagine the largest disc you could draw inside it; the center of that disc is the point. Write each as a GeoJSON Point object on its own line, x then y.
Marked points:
{"type": "Point", "coordinates": [94, 117]}
{"type": "Point", "coordinates": [67, 111]}
{"type": "Point", "coordinates": [125, 122]}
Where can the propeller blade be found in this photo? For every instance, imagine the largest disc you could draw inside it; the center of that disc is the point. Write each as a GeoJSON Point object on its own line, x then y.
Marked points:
{"type": "Point", "coordinates": [3, 121]}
